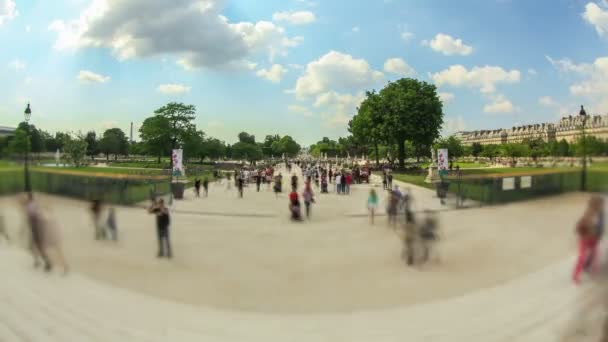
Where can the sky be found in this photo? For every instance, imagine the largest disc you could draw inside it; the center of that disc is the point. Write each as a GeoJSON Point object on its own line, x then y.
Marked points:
{"type": "Point", "coordinates": [297, 67]}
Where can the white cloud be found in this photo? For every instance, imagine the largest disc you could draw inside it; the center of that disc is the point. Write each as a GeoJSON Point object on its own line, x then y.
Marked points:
{"type": "Point", "coordinates": [28, 28]}
{"type": "Point", "coordinates": [499, 105]}
{"type": "Point", "coordinates": [485, 78]}
{"type": "Point", "coordinates": [446, 97]}
{"type": "Point", "coordinates": [295, 66]}
{"type": "Point", "coordinates": [338, 109]}
{"type": "Point", "coordinates": [274, 74]}
{"type": "Point", "coordinates": [8, 11]}
{"type": "Point", "coordinates": [448, 45]}
{"type": "Point", "coordinates": [566, 65]}
{"type": "Point", "coordinates": [532, 72]}
{"type": "Point", "coordinates": [172, 88]}
{"type": "Point", "coordinates": [300, 110]}
{"type": "Point", "coordinates": [86, 76]}
{"type": "Point", "coordinates": [295, 18]}
{"type": "Point", "coordinates": [453, 125]}
{"type": "Point", "coordinates": [547, 101]}
{"type": "Point", "coordinates": [17, 64]}
{"type": "Point", "coordinates": [399, 67]}
{"type": "Point", "coordinates": [595, 86]}
{"type": "Point", "coordinates": [335, 71]}
{"type": "Point", "coordinates": [355, 29]}
{"type": "Point", "coordinates": [193, 30]}
{"type": "Point", "coordinates": [407, 36]}
{"type": "Point", "coordinates": [597, 16]}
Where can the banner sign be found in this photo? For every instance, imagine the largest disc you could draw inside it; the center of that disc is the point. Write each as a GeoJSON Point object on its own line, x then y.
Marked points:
{"type": "Point", "coordinates": [178, 167]}
{"type": "Point", "coordinates": [442, 161]}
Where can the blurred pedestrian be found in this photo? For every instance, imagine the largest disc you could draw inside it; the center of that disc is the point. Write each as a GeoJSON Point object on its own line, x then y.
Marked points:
{"type": "Point", "coordinates": [197, 187]}
{"type": "Point", "coordinates": [206, 186]}
{"type": "Point", "coordinates": [308, 197]}
{"type": "Point", "coordinates": [96, 208]}
{"type": "Point", "coordinates": [162, 228]}
{"type": "Point", "coordinates": [294, 206]}
{"type": "Point", "coordinates": [372, 204]}
{"type": "Point", "coordinates": [36, 238]}
{"type": "Point", "coordinates": [111, 224]}
{"type": "Point", "coordinates": [240, 184]}
{"type": "Point", "coordinates": [349, 182]}
{"type": "Point", "coordinates": [588, 232]}
{"type": "Point", "coordinates": [258, 181]}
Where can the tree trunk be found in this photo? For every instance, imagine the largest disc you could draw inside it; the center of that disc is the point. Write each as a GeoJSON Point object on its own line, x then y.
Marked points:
{"type": "Point", "coordinates": [107, 157]}
{"type": "Point", "coordinates": [377, 158]}
{"type": "Point", "coordinates": [401, 153]}
{"type": "Point", "coordinates": [115, 157]}
{"type": "Point", "coordinates": [159, 155]}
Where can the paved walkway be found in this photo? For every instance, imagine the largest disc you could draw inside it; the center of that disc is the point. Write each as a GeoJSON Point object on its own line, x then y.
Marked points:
{"type": "Point", "coordinates": [504, 275]}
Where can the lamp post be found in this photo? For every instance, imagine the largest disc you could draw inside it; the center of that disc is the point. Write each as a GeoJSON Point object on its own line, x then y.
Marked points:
{"type": "Point", "coordinates": [27, 115]}
{"type": "Point", "coordinates": [583, 115]}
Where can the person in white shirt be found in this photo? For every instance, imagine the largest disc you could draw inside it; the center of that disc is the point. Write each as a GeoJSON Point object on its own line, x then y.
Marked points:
{"type": "Point", "coordinates": [338, 183]}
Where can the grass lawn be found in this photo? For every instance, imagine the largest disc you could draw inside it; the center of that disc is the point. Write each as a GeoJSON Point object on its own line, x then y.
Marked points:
{"type": "Point", "coordinates": [416, 179]}
{"type": "Point", "coordinates": [105, 170]}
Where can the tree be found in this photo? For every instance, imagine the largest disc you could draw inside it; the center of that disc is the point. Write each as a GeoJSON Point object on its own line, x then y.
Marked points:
{"type": "Point", "coordinates": [246, 138]}
{"type": "Point", "coordinates": [246, 151]}
{"type": "Point", "coordinates": [536, 148]}
{"type": "Point", "coordinates": [454, 146]}
{"type": "Point", "coordinates": [515, 151]}
{"type": "Point", "coordinates": [286, 145]}
{"type": "Point", "coordinates": [91, 140]}
{"type": "Point", "coordinates": [74, 151]}
{"type": "Point", "coordinates": [154, 135]}
{"type": "Point", "coordinates": [366, 126]}
{"type": "Point", "coordinates": [215, 148]}
{"type": "Point", "coordinates": [114, 141]}
{"type": "Point", "coordinates": [411, 111]}
{"type": "Point", "coordinates": [267, 145]}
{"type": "Point", "coordinates": [490, 151]}
{"type": "Point", "coordinates": [19, 142]}
{"type": "Point", "coordinates": [180, 117]}
{"type": "Point", "coordinates": [563, 148]}
{"type": "Point", "coordinates": [194, 145]}
{"type": "Point", "coordinates": [476, 149]}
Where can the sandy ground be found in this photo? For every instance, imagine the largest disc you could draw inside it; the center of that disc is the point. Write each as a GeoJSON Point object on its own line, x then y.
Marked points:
{"type": "Point", "coordinates": [337, 262]}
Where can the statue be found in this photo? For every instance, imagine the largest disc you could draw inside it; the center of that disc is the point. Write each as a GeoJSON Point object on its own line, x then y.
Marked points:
{"type": "Point", "coordinates": [431, 176]}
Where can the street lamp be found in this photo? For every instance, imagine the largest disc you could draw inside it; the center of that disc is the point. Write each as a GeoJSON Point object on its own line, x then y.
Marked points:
{"type": "Point", "coordinates": [583, 114]}
{"type": "Point", "coordinates": [27, 114]}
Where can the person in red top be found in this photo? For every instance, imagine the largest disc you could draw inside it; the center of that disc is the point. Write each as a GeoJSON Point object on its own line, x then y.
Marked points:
{"type": "Point", "coordinates": [294, 206]}
{"type": "Point", "coordinates": [589, 235]}
{"type": "Point", "coordinates": [349, 181]}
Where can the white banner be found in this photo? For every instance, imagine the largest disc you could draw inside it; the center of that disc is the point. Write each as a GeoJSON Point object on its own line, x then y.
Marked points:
{"type": "Point", "coordinates": [178, 167]}
{"type": "Point", "coordinates": [442, 159]}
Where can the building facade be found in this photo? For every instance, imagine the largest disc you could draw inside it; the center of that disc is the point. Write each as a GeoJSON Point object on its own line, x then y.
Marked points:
{"type": "Point", "coordinates": [6, 131]}
{"type": "Point", "coordinates": [568, 128]}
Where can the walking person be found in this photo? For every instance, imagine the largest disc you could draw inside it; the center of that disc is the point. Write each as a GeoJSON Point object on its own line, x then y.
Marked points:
{"type": "Point", "coordinates": [96, 209]}
{"type": "Point", "coordinates": [372, 204]}
{"type": "Point", "coordinates": [390, 180]}
{"type": "Point", "coordinates": [384, 180]}
{"type": "Point", "coordinates": [258, 181]}
{"type": "Point", "coordinates": [331, 175]}
{"type": "Point", "coordinates": [278, 184]}
{"type": "Point", "coordinates": [349, 182]}
{"type": "Point", "coordinates": [206, 186]}
{"type": "Point", "coordinates": [197, 187]}
{"type": "Point", "coordinates": [34, 220]}
{"type": "Point", "coordinates": [588, 234]}
{"type": "Point", "coordinates": [294, 182]}
{"type": "Point", "coordinates": [111, 224]}
{"type": "Point", "coordinates": [240, 186]}
{"type": "Point", "coordinates": [162, 228]}
{"type": "Point", "coordinates": [308, 196]}
{"type": "Point", "coordinates": [338, 183]}
{"type": "Point", "coordinates": [294, 206]}
{"type": "Point", "coordinates": [343, 182]}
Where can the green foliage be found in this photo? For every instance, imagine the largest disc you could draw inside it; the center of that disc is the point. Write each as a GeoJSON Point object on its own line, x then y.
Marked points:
{"type": "Point", "coordinates": [92, 148]}
{"type": "Point", "coordinates": [114, 141]}
{"type": "Point", "coordinates": [476, 149]}
{"type": "Point", "coordinates": [246, 138]}
{"type": "Point", "coordinates": [214, 148]}
{"type": "Point", "coordinates": [286, 145]}
{"type": "Point", "coordinates": [19, 143]}
{"type": "Point", "coordinates": [514, 151]}
{"type": "Point", "coordinates": [154, 135]}
{"type": "Point", "coordinates": [180, 119]}
{"type": "Point", "coordinates": [404, 110]}
{"type": "Point", "coordinates": [74, 151]}
{"type": "Point", "coordinates": [454, 146]}
{"type": "Point", "coordinates": [246, 151]}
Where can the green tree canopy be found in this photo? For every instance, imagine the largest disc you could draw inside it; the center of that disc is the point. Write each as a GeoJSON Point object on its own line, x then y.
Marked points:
{"type": "Point", "coordinates": [154, 135]}
{"type": "Point", "coordinates": [114, 141]}
{"type": "Point", "coordinates": [91, 140]}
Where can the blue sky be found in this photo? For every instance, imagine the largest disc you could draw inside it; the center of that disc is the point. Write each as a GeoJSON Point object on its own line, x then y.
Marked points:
{"type": "Point", "coordinates": [297, 67]}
